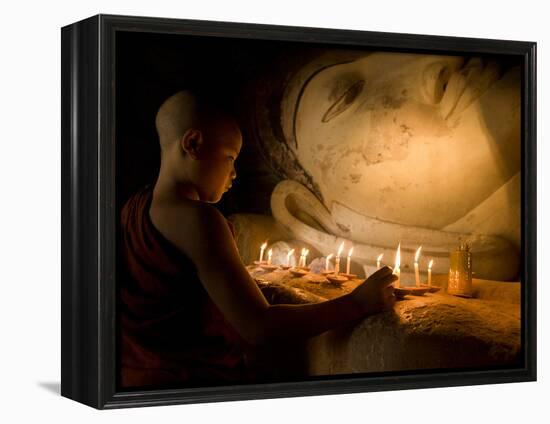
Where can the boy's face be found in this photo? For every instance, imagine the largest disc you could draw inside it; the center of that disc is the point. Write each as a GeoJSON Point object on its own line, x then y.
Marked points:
{"type": "Point", "coordinates": [216, 164]}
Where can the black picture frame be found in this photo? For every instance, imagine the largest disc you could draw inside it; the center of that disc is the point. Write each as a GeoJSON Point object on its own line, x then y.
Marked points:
{"type": "Point", "coordinates": [89, 222]}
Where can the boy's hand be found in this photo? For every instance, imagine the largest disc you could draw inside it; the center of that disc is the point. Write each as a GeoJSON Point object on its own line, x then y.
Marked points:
{"type": "Point", "coordinates": [375, 294]}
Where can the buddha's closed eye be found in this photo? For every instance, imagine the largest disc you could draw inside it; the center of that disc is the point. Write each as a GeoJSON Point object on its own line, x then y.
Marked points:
{"type": "Point", "coordinates": [344, 101]}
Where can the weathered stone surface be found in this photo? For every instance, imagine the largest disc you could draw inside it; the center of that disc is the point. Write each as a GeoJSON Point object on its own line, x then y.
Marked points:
{"type": "Point", "coordinates": [427, 332]}
{"type": "Point", "coordinates": [280, 293]}
{"type": "Point", "coordinates": [374, 141]}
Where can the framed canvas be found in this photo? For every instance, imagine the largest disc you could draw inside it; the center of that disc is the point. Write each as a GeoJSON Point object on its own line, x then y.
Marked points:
{"type": "Point", "coordinates": [256, 211]}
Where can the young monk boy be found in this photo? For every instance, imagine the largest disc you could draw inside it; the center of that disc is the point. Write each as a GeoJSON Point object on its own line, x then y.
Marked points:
{"type": "Point", "coordinates": [189, 305]}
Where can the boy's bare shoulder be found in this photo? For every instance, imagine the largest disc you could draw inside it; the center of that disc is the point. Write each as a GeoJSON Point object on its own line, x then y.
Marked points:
{"type": "Point", "coordinates": [189, 213]}
{"type": "Point", "coordinates": [199, 212]}
{"type": "Point", "coordinates": [188, 222]}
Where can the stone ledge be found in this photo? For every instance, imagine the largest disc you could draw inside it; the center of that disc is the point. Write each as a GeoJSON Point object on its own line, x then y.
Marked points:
{"type": "Point", "coordinates": [426, 332]}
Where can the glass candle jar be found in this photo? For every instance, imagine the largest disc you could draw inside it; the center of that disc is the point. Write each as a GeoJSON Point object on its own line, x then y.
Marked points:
{"type": "Point", "coordinates": [460, 272]}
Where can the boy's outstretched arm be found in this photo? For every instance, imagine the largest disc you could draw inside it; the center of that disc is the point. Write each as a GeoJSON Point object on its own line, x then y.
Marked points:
{"type": "Point", "coordinates": [206, 239]}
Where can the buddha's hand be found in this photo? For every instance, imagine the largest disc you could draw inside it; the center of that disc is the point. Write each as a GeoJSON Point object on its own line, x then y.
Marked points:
{"type": "Point", "coordinates": [375, 294]}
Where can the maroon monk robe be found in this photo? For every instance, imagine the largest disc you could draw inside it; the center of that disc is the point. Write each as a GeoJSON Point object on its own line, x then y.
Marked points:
{"type": "Point", "coordinates": [172, 334]}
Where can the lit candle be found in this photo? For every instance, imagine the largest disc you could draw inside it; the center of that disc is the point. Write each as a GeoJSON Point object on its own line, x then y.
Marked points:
{"type": "Point", "coordinates": [416, 271]}
{"type": "Point", "coordinates": [396, 269]}
{"type": "Point", "coordinates": [306, 252]}
{"type": "Point", "coordinates": [378, 260]}
{"type": "Point", "coordinates": [269, 254]}
{"type": "Point", "coordinates": [288, 255]}
{"type": "Point", "coordinates": [301, 257]}
{"type": "Point", "coordinates": [430, 273]}
{"type": "Point", "coordinates": [327, 261]}
{"type": "Point", "coordinates": [337, 261]}
{"type": "Point", "coordinates": [262, 248]}
{"type": "Point", "coordinates": [349, 260]}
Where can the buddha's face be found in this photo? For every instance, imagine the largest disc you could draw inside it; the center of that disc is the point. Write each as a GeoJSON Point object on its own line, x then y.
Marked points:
{"type": "Point", "coordinates": [415, 139]}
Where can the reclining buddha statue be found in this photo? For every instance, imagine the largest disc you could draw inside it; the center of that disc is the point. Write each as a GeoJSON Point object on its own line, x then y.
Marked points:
{"type": "Point", "coordinates": [381, 148]}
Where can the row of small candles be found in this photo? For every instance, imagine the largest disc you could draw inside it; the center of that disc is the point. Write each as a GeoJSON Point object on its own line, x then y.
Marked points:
{"type": "Point", "coordinates": [303, 257]}
{"type": "Point", "coordinates": [396, 269]}
{"type": "Point", "coordinates": [302, 261]}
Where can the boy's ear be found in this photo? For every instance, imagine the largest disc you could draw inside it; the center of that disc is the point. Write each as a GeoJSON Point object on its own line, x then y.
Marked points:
{"type": "Point", "coordinates": [191, 142]}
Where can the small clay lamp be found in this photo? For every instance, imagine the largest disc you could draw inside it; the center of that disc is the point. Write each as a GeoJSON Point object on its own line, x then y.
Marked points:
{"type": "Point", "coordinates": [336, 279]}
{"type": "Point", "coordinates": [401, 292]}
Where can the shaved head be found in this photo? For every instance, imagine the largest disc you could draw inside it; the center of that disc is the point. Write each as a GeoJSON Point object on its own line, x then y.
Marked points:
{"type": "Point", "coordinates": [185, 110]}
{"type": "Point", "coordinates": [200, 141]}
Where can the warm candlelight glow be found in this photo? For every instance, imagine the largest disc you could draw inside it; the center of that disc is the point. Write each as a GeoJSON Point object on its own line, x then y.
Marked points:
{"type": "Point", "coordinates": [417, 254]}
{"type": "Point", "coordinates": [430, 272]}
{"type": "Point", "coordinates": [288, 255]}
{"type": "Point", "coordinates": [337, 260]}
{"type": "Point", "coordinates": [378, 260]}
{"type": "Point", "coordinates": [302, 262]}
{"type": "Point", "coordinates": [327, 261]}
{"type": "Point", "coordinates": [396, 269]}
{"type": "Point", "coordinates": [340, 249]}
{"type": "Point", "coordinates": [416, 270]}
{"type": "Point", "coordinates": [269, 255]}
{"type": "Point", "coordinates": [398, 257]}
{"type": "Point", "coordinates": [306, 252]}
{"type": "Point", "coordinates": [262, 248]}
{"type": "Point", "coordinates": [348, 265]}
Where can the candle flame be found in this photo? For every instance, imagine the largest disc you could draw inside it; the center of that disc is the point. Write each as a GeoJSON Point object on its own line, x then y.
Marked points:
{"type": "Point", "coordinates": [430, 264]}
{"type": "Point", "coordinates": [417, 254]}
{"type": "Point", "coordinates": [350, 252]}
{"type": "Point", "coordinates": [290, 253]}
{"type": "Point", "coordinates": [397, 259]}
{"type": "Point", "coordinates": [380, 256]}
{"type": "Point", "coordinates": [270, 252]}
{"type": "Point", "coordinates": [306, 252]}
{"type": "Point", "coordinates": [263, 246]}
{"type": "Point", "coordinates": [330, 256]}
{"type": "Point", "coordinates": [340, 249]}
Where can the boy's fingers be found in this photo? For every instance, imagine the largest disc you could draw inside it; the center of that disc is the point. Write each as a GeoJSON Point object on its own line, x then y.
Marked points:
{"type": "Point", "coordinates": [386, 280]}
{"type": "Point", "coordinates": [382, 272]}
